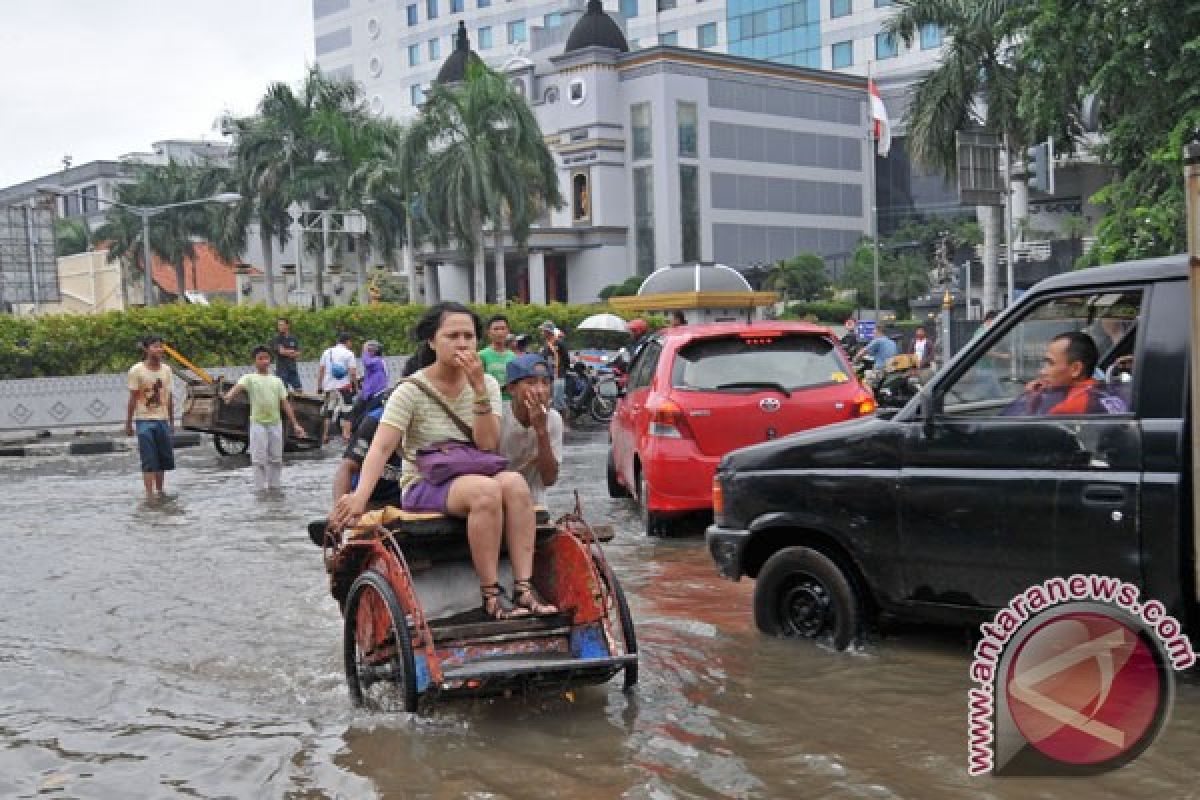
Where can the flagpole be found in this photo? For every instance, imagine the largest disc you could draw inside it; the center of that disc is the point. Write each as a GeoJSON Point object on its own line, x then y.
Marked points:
{"type": "Point", "coordinates": [871, 151]}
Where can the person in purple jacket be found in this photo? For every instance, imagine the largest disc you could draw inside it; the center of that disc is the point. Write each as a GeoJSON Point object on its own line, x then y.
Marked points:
{"type": "Point", "coordinates": [375, 374]}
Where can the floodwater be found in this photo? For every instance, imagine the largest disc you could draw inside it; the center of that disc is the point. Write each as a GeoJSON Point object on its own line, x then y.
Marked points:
{"type": "Point", "coordinates": [192, 650]}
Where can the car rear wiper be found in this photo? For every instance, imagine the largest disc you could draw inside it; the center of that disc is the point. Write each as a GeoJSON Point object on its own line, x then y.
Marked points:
{"type": "Point", "coordinates": [756, 385]}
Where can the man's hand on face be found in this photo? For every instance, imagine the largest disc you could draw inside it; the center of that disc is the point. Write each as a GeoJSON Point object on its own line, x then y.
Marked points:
{"type": "Point", "coordinates": [536, 400]}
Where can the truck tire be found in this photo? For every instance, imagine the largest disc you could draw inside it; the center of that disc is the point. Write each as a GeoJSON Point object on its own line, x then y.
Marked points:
{"type": "Point", "coordinates": [802, 594]}
{"type": "Point", "coordinates": [615, 489]}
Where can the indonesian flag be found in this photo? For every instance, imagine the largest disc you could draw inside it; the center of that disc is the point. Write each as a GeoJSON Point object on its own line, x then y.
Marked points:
{"type": "Point", "coordinates": [882, 127]}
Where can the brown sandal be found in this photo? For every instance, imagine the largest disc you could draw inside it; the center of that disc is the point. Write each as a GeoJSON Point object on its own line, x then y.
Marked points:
{"type": "Point", "coordinates": [497, 606]}
{"type": "Point", "coordinates": [526, 597]}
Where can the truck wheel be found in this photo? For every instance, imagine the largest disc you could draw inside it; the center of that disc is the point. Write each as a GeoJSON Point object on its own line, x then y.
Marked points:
{"type": "Point", "coordinates": [615, 489]}
{"type": "Point", "coordinates": [802, 594]}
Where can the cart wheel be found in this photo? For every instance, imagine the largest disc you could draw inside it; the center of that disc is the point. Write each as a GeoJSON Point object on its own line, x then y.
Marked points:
{"type": "Point", "coordinates": [377, 645]}
{"type": "Point", "coordinates": [227, 446]}
{"type": "Point", "coordinates": [601, 408]}
{"type": "Point", "coordinates": [631, 670]}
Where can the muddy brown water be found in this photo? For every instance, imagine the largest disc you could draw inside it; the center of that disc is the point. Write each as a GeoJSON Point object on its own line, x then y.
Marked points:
{"type": "Point", "coordinates": [192, 650]}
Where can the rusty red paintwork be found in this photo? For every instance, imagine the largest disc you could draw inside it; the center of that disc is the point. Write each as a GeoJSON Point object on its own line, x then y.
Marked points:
{"type": "Point", "coordinates": [565, 574]}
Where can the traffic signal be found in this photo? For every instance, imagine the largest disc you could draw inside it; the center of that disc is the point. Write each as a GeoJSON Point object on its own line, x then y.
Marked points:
{"type": "Point", "coordinates": [1041, 167]}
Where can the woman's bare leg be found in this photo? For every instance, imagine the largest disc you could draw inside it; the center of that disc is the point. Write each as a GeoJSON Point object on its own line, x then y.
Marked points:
{"type": "Point", "coordinates": [479, 499]}
{"type": "Point", "coordinates": [520, 524]}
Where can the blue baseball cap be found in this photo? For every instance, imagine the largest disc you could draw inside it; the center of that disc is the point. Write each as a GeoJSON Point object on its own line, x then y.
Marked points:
{"type": "Point", "coordinates": [529, 365]}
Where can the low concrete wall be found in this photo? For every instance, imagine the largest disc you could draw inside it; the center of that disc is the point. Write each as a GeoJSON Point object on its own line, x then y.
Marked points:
{"type": "Point", "coordinates": [35, 404]}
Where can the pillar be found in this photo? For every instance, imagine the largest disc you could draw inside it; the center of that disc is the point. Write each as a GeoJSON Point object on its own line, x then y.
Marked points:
{"type": "Point", "coordinates": [537, 277]}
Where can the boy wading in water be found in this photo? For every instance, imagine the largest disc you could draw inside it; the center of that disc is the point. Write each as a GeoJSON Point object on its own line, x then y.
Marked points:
{"type": "Point", "coordinates": [151, 414]}
{"type": "Point", "coordinates": [267, 396]}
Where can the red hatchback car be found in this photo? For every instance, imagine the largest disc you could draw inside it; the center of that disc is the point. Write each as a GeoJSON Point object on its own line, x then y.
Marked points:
{"type": "Point", "coordinates": [696, 392]}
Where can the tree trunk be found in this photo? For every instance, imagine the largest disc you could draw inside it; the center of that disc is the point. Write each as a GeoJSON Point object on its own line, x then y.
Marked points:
{"type": "Point", "coordinates": [180, 280]}
{"type": "Point", "coordinates": [501, 289]}
{"type": "Point", "coordinates": [480, 293]}
{"type": "Point", "coordinates": [319, 276]}
{"type": "Point", "coordinates": [266, 241]}
{"type": "Point", "coordinates": [989, 218]}
{"type": "Point", "coordinates": [361, 252]}
{"type": "Point", "coordinates": [410, 267]}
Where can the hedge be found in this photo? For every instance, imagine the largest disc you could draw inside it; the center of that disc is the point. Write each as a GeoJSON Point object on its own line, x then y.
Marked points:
{"type": "Point", "coordinates": [822, 310]}
{"type": "Point", "coordinates": [223, 335]}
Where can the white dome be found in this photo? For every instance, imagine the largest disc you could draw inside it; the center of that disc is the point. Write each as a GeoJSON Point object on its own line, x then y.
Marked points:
{"type": "Point", "coordinates": [695, 278]}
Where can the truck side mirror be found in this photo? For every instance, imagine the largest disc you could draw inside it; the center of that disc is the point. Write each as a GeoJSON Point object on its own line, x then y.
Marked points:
{"type": "Point", "coordinates": [925, 407]}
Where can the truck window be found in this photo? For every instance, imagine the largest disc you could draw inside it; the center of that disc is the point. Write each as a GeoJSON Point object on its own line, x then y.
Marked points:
{"type": "Point", "coordinates": [1038, 367]}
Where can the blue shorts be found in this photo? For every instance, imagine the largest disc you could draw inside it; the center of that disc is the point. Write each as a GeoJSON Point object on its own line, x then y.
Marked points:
{"type": "Point", "coordinates": [155, 445]}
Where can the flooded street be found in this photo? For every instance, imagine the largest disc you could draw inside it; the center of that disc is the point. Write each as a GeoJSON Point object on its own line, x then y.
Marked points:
{"type": "Point", "coordinates": [192, 649]}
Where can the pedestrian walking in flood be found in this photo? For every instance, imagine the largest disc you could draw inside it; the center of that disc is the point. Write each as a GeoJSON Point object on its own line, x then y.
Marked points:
{"type": "Point", "coordinates": [267, 396]}
{"type": "Point", "coordinates": [287, 350]}
{"type": "Point", "coordinates": [151, 414]}
{"type": "Point", "coordinates": [337, 375]}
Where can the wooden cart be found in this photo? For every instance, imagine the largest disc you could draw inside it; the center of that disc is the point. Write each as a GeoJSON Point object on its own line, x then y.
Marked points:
{"type": "Point", "coordinates": [206, 411]}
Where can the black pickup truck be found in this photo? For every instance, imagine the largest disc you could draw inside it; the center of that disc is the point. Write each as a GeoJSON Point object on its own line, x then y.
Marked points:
{"type": "Point", "coordinates": [984, 484]}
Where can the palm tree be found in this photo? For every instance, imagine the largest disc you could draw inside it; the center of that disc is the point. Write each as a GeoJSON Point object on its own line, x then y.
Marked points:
{"type": "Point", "coordinates": [382, 187]}
{"type": "Point", "coordinates": [71, 236]}
{"type": "Point", "coordinates": [281, 158]}
{"type": "Point", "coordinates": [974, 84]}
{"type": "Point", "coordinates": [172, 232]}
{"type": "Point", "coordinates": [478, 152]}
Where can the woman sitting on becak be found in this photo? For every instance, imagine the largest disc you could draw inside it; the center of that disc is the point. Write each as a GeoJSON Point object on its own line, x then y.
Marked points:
{"type": "Point", "coordinates": [493, 506]}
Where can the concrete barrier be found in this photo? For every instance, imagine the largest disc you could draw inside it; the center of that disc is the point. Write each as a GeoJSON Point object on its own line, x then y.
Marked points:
{"type": "Point", "coordinates": [84, 401]}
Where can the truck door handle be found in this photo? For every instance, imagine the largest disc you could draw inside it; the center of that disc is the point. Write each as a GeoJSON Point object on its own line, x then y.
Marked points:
{"type": "Point", "coordinates": [1104, 494]}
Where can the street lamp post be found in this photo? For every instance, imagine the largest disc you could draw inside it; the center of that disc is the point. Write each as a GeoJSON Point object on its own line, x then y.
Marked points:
{"type": "Point", "coordinates": [145, 213]}
{"type": "Point", "coordinates": [354, 223]}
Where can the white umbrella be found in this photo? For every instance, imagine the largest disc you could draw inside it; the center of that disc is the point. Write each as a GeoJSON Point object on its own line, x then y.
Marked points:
{"type": "Point", "coordinates": [603, 322]}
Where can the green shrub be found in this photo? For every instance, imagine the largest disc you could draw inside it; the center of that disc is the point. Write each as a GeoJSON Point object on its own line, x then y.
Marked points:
{"type": "Point", "coordinates": [829, 311]}
{"type": "Point", "coordinates": [222, 335]}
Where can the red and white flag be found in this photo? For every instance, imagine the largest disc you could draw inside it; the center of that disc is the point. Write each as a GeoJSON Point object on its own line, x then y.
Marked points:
{"type": "Point", "coordinates": [882, 126]}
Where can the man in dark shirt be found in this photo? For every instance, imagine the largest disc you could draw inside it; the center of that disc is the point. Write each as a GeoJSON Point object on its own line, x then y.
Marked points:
{"type": "Point", "coordinates": [387, 490]}
{"type": "Point", "coordinates": [287, 350]}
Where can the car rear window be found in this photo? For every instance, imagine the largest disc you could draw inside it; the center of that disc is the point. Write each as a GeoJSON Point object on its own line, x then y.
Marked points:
{"type": "Point", "coordinates": [735, 363]}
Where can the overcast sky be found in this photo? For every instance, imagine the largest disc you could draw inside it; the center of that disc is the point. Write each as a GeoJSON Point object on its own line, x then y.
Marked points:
{"type": "Point", "coordinates": [100, 78]}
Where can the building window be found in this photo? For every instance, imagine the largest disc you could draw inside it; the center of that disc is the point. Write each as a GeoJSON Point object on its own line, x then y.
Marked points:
{"type": "Point", "coordinates": [931, 36]}
{"type": "Point", "coordinates": [457, 6]}
{"type": "Point", "coordinates": [581, 200]}
{"type": "Point", "coordinates": [629, 8]}
{"type": "Point", "coordinates": [415, 95]}
{"type": "Point", "coordinates": [689, 211]}
{"type": "Point", "coordinates": [516, 31]}
{"type": "Point", "coordinates": [643, 218]}
{"type": "Point", "coordinates": [89, 199]}
{"type": "Point", "coordinates": [576, 92]}
{"type": "Point", "coordinates": [552, 20]}
{"type": "Point", "coordinates": [412, 15]}
{"type": "Point", "coordinates": [431, 9]}
{"type": "Point", "coordinates": [706, 35]}
{"type": "Point", "coordinates": [885, 46]}
{"type": "Point", "coordinates": [685, 120]}
{"type": "Point", "coordinates": [669, 38]}
{"type": "Point", "coordinates": [640, 125]}
{"type": "Point", "coordinates": [665, 5]}
{"type": "Point", "coordinates": [840, 8]}
{"type": "Point", "coordinates": [435, 49]}
{"type": "Point", "coordinates": [483, 38]}
{"type": "Point", "coordinates": [483, 3]}
{"type": "Point", "coordinates": [842, 55]}
{"type": "Point", "coordinates": [883, 3]}
{"type": "Point", "coordinates": [414, 54]}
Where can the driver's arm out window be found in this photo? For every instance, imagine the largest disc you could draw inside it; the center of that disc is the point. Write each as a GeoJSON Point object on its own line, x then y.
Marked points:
{"type": "Point", "coordinates": [1016, 375]}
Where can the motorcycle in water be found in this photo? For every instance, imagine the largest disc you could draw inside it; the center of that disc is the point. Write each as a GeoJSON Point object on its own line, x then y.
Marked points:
{"type": "Point", "coordinates": [898, 382]}
{"type": "Point", "coordinates": [591, 391]}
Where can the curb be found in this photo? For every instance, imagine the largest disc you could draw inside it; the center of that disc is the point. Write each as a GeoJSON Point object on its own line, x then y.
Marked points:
{"type": "Point", "coordinates": [19, 452]}
{"type": "Point", "coordinates": [187, 439]}
{"type": "Point", "coordinates": [90, 447]}
{"type": "Point", "coordinates": [93, 447]}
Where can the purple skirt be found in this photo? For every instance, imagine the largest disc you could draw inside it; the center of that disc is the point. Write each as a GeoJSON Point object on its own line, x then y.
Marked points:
{"type": "Point", "coordinates": [427, 497]}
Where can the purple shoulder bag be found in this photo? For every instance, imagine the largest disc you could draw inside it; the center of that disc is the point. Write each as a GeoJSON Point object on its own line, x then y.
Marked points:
{"type": "Point", "coordinates": [442, 462]}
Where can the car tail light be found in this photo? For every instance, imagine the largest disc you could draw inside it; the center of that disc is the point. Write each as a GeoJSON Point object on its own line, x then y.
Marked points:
{"type": "Point", "coordinates": [862, 404]}
{"type": "Point", "coordinates": [718, 498]}
{"type": "Point", "coordinates": [668, 421]}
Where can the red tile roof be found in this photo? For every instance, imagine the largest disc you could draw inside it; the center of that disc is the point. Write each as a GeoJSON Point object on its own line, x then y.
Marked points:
{"type": "Point", "coordinates": [207, 273]}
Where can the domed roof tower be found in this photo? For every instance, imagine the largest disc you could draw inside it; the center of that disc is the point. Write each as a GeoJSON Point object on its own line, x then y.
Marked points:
{"type": "Point", "coordinates": [596, 29]}
{"type": "Point", "coordinates": [454, 69]}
